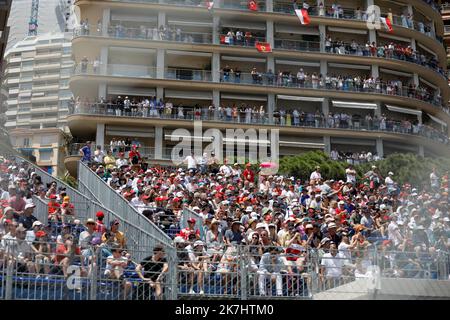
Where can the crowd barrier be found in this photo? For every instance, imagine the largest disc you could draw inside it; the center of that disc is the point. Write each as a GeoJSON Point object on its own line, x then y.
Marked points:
{"type": "Point", "coordinates": [238, 272]}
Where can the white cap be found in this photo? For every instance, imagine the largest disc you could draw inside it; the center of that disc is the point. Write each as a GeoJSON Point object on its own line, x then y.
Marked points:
{"type": "Point", "coordinates": [249, 209]}
{"type": "Point", "coordinates": [390, 173]}
{"type": "Point", "coordinates": [178, 239]}
{"type": "Point", "coordinates": [260, 225]}
{"type": "Point", "coordinates": [198, 243]}
{"type": "Point", "coordinates": [30, 205]}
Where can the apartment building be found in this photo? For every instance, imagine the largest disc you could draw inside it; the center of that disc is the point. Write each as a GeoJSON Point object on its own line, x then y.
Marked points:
{"type": "Point", "coordinates": [322, 84]}
{"type": "Point", "coordinates": [37, 72]}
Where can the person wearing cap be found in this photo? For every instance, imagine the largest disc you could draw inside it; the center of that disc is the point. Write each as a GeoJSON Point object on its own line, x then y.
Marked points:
{"type": "Point", "coordinates": [27, 218]}
{"type": "Point", "coordinates": [100, 227]}
{"type": "Point", "coordinates": [390, 184]}
{"type": "Point", "coordinates": [119, 236]}
{"type": "Point", "coordinates": [53, 209]}
{"type": "Point", "coordinates": [67, 210]}
{"type": "Point", "coordinates": [86, 237]}
{"type": "Point", "coordinates": [122, 162]}
{"type": "Point", "coordinates": [270, 268]}
{"type": "Point", "coordinates": [152, 270]}
{"type": "Point", "coordinates": [198, 260]}
{"type": "Point", "coordinates": [190, 229]}
{"type": "Point", "coordinates": [41, 249]}
{"type": "Point", "coordinates": [248, 173]}
{"type": "Point", "coordinates": [234, 234]}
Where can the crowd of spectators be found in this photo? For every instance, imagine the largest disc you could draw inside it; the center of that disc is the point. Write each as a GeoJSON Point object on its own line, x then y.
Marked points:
{"type": "Point", "coordinates": [42, 252]}
{"type": "Point", "coordinates": [279, 221]}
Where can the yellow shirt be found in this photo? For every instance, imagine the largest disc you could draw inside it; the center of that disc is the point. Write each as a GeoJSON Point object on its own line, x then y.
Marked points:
{"type": "Point", "coordinates": [110, 162]}
{"type": "Point", "coordinates": [119, 237]}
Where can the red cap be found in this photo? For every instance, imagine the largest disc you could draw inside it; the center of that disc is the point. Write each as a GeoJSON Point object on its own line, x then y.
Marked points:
{"type": "Point", "coordinates": [99, 214]}
{"type": "Point", "coordinates": [52, 196]}
{"type": "Point", "coordinates": [40, 234]}
{"type": "Point", "coordinates": [191, 220]}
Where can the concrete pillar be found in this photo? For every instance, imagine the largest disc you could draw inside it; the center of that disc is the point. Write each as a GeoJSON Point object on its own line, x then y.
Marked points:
{"type": "Point", "coordinates": [327, 144]}
{"type": "Point", "coordinates": [102, 90]}
{"type": "Point", "coordinates": [322, 34]}
{"type": "Point", "coordinates": [372, 36]}
{"type": "Point", "coordinates": [270, 106]}
{"type": "Point", "coordinates": [271, 63]}
{"type": "Point", "coordinates": [380, 150]}
{"type": "Point", "coordinates": [161, 18]}
{"type": "Point", "coordinates": [270, 33]}
{"type": "Point", "coordinates": [326, 106]}
{"type": "Point", "coordinates": [159, 93]}
{"type": "Point", "coordinates": [413, 44]}
{"type": "Point", "coordinates": [369, 3]}
{"type": "Point", "coordinates": [159, 142]}
{"type": "Point", "coordinates": [415, 79]}
{"type": "Point", "coordinates": [433, 29]}
{"type": "Point", "coordinates": [160, 63]}
{"type": "Point", "coordinates": [323, 67]}
{"type": "Point", "coordinates": [215, 69]}
{"type": "Point", "coordinates": [100, 135]}
{"type": "Point", "coordinates": [269, 5]}
{"type": "Point", "coordinates": [216, 30]}
{"type": "Point", "coordinates": [421, 151]}
{"type": "Point", "coordinates": [104, 60]}
{"type": "Point", "coordinates": [377, 111]}
{"type": "Point", "coordinates": [216, 98]}
{"type": "Point", "coordinates": [375, 71]}
{"type": "Point", "coordinates": [105, 21]}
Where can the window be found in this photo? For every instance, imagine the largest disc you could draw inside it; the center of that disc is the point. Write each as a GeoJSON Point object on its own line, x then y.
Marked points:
{"type": "Point", "coordinates": [25, 86]}
{"type": "Point", "coordinates": [47, 140]}
{"type": "Point", "coordinates": [45, 155]}
{"type": "Point", "coordinates": [26, 142]}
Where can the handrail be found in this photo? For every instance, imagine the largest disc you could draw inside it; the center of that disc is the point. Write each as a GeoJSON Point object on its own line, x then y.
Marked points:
{"type": "Point", "coordinates": [92, 183]}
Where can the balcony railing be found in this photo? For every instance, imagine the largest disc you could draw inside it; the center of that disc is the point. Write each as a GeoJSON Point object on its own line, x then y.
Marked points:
{"type": "Point", "coordinates": [272, 80]}
{"type": "Point", "coordinates": [355, 123]}
{"type": "Point", "coordinates": [288, 8]}
{"type": "Point", "coordinates": [206, 38]}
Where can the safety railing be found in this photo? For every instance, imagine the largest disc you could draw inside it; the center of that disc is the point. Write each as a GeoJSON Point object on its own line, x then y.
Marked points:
{"type": "Point", "coordinates": [67, 269]}
{"type": "Point", "coordinates": [283, 120]}
{"type": "Point", "coordinates": [297, 45]}
{"type": "Point", "coordinates": [92, 184]}
{"type": "Point", "coordinates": [145, 151]}
{"type": "Point", "coordinates": [144, 33]}
{"type": "Point", "coordinates": [267, 79]}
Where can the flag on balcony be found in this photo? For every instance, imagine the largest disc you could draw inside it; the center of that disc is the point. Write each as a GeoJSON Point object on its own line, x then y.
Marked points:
{"type": "Point", "coordinates": [386, 23]}
{"type": "Point", "coordinates": [252, 5]}
{"type": "Point", "coordinates": [303, 15]}
{"type": "Point", "coordinates": [263, 47]}
{"type": "Point", "coordinates": [209, 4]}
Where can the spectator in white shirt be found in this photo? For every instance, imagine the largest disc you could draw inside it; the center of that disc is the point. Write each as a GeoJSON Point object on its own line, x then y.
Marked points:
{"type": "Point", "coordinates": [191, 161]}
{"type": "Point", "coordinates": [315, 175]}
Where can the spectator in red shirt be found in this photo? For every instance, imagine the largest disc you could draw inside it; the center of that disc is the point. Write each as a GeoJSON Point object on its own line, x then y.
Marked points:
{"type": "Point", "coordinates": [54, 209]}
{"type": "Point", "coordinates": [134, 155]}
{"type": "Point", "coordinates": [190, 229]}
{"type": "Point", "coordinates": [248, 173]}
{"type": "Point", "coordinates": [100, 225]}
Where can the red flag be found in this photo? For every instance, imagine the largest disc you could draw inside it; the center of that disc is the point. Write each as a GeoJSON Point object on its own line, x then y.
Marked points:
{"type": "Point", "coordinates": [263, 47]}
{"type": "Point", "coordinates": [387, 23]}
{"type": "Point", "coordinates": [303, 15]}
{"type": "Point", "coordinates": [252, 5]}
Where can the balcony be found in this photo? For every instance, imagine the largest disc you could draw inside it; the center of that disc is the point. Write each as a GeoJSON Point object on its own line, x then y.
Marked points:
{"type": "Point", "coordinates": [286, 7]}
{"type": "Point", "coordinates": [207, 38]}
{"type": "Point", "coordinates": [263, 119]}
{"type": "Point", "coordinates": [264, 79]}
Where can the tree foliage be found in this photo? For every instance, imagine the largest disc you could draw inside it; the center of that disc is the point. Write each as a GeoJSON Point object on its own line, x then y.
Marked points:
{"type": "Point", "coordinates": [407, 167]}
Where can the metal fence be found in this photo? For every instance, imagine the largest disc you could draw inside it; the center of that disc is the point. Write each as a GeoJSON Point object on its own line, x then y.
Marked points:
{"type": "Point", "coordinates": [99, 272]}
{"type": "Point", "coordinates": [104, 272]}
